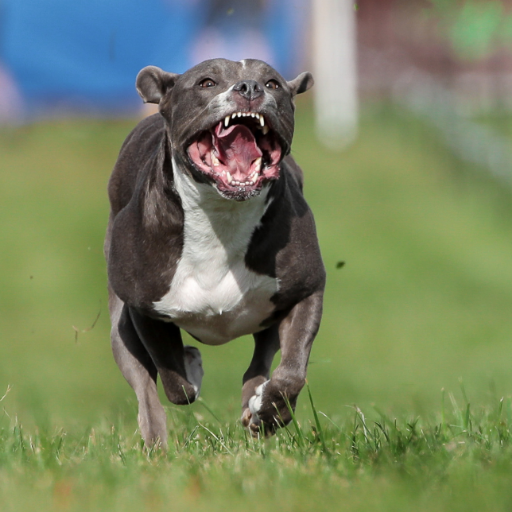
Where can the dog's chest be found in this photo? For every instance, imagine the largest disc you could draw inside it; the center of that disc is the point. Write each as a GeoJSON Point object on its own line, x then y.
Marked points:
{"type": "Point", "coordinates": [213, 295]}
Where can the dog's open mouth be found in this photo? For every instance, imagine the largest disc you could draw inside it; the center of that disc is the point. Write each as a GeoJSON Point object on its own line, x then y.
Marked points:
{"type": "Point", "coordinates": [240, 153]}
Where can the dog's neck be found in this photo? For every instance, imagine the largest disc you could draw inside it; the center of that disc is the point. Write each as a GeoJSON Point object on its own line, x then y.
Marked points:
{"type": "Point", "coordinates": [210, 218]}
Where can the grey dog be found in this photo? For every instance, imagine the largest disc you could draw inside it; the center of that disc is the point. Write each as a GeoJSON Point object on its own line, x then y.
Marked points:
{"type": "Point", "coordinates": [209, 232]}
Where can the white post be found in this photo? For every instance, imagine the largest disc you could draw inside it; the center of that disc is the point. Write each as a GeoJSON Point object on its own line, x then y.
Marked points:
{"type": "Point", "coordinates": [335, 73]}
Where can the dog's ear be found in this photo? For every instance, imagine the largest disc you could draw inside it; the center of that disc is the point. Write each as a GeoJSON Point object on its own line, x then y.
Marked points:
{"type": "Point", "coordinates": [152, 83]}
{"type": "Point", "coordinates": [301, 84]}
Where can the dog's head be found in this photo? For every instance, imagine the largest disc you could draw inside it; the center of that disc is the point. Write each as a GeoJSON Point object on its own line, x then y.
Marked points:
{"type": "Point", "coordinates": [230, 123]}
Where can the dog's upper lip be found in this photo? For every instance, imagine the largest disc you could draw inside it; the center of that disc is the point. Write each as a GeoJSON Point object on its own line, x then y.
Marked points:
{"type": "Point", "coordinates": [261, 123]}
{"type": "Point", "coordinates": [260, 117]}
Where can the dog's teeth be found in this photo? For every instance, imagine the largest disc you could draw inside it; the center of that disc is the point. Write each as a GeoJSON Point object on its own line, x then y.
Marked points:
{"type": "Point", "coordinates": [229, 177]}
{"type": "Point", "coordinates": [239, 114]}
{"type": "Point", "coordinates": [257, 164]}
{"type": "Point", "coordinates": [215, 160]}
{"type": "Point", "coordinates": [265, 130]}
{"type": "Point", "coordinates": [253, 114]}
{"type": "Point", "coordinates": [262, 121]}
{"type": "Point", "coordinates": [226, 121]}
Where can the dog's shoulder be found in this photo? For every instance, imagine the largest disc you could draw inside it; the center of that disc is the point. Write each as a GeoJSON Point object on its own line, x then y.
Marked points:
{"type": "Point", "coordinates": [144, 137]}
{"type": "Point", "coordinates": [138, 152]}
{"type": "Point", "coordinates": [290, 166]}
{"type": "Point", "coordinates": [285, 244]}
{"type": "Point", "coordinates": [142, 208]}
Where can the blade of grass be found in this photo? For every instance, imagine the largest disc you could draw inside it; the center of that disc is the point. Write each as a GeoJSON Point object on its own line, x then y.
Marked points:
{"type": "Point", "coordinates": [300, 434]}
{"type": "Point", "coordinates": [317, 421]}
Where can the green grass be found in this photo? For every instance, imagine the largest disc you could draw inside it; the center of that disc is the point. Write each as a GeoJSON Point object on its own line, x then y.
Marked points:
{"type": "Point", "coordinates": [498, 120]}
{"type": "Point", "coordinates": [457, 459]}
{"type": "Point", "coordinates": [422, 304]}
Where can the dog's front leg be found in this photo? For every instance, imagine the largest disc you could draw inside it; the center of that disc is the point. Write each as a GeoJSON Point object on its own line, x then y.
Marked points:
{"type": "Point", "coordinates": [180, 368]}
{"type": "Point", "coordinates": [266, 344]}
{"type": "Point", "coordinates": [269, 405]}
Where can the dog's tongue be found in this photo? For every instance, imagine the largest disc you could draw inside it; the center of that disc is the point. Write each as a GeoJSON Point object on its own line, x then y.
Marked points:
{"type": "Point", "coordinates": [237, 149]}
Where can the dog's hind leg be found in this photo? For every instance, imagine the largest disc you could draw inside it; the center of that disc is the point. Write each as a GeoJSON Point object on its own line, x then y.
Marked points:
{"type": "Point", "coordinates": [139, 370]}
{"type": "Point", "coordinates": [266, 344]}
{"type": "Point", "coordinates": [180, 368]}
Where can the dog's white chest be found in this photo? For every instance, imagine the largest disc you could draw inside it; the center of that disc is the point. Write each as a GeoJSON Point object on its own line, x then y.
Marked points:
{"type": "Point", "coordinates": [213, 295]}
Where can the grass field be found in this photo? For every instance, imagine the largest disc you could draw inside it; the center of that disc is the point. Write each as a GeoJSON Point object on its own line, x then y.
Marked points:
{"type": "Point", "coordinates": [411, 373]}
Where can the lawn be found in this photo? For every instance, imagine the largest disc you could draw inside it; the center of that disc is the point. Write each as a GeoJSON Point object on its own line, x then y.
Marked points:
{"type": "Point", "coordinates": [411, 373]}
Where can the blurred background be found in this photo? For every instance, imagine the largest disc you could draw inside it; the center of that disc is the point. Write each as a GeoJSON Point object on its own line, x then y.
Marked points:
{"type": "Point", "coordinates": [405, 141]}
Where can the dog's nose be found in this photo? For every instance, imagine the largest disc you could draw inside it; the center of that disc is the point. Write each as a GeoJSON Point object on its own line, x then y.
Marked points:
{"type": "Point", "coordinates": [249, 89]}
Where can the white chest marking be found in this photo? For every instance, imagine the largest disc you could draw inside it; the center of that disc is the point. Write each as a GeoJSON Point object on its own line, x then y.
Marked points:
{"type": "Point", "coordinates": [213, 295]}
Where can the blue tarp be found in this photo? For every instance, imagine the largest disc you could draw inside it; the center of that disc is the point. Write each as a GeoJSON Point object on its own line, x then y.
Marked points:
{"type": "Point", "coordinates": [84, 56]}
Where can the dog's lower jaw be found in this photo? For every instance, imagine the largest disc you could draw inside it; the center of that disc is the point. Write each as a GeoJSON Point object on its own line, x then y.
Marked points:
{"type": "Point", "coordinates": [233, 191]}
{"type": "Point", "coordinates": [240, 194]}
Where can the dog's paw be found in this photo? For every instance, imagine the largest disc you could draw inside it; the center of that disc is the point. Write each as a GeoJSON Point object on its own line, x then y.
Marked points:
{"type": "Point", "coordinates": [194, 368]}
{"type": "Point", "coordinates": [255, 400]}
{"type": "Point", "coordinates": [250, 419]}
{"type": "Point", "coordinates": [270, 408]}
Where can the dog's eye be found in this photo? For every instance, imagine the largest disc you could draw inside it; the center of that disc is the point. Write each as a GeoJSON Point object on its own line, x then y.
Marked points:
{"type": "Point", "coordinates": [207, 82]}
{"type": "Point", "coordinates": [272, 84]}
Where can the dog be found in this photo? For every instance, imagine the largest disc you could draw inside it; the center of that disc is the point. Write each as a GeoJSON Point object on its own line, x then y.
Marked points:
{"type": "Point", "coordinates": [209, 233]}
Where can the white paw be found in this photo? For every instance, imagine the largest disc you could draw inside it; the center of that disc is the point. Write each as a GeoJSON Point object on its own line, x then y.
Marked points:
{"type": "Point", "coordinates": [194, 367]}
{"type": "Point", "coordinates": [255, 400]}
